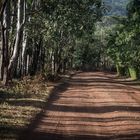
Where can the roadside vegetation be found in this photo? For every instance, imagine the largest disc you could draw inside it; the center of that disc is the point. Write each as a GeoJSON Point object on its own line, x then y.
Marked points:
{"type": "Point", "coordinates": [41, 40]}
{"type": "Point", "coordinates": [19, 104]}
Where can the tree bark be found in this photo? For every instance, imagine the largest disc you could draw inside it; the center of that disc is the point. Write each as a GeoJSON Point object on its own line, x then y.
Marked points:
{"type": "Point", "coordinates": [5, 26]}
{"type": "Point", "coordinates": [20, 24]}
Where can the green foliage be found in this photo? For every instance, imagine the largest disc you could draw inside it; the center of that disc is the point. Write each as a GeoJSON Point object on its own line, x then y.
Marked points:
{"type": "Point", "coordinates": [124, 44]}
{"type": "Point", "coordinates": [68, 21]}
{"type": "Point", "coordinates": [87, 54]}
{"type": "Point", "coordinates": [70, 17]}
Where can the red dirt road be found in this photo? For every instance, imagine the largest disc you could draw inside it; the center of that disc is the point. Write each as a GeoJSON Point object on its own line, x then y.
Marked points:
{"type": "Point", "coordinates": [89, 106]}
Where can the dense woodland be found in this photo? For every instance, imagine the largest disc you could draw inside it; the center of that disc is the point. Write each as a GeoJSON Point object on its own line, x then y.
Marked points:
{"type": "Point", "coordinates": [51, 37]}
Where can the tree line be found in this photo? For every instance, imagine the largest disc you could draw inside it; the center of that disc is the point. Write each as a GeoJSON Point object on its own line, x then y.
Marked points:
{"type": "Point", "coordinates": [40, 36]}
{"type": "Point", "coordinates": [124, 44]}
{"type": "Point", "coordinates": [116, 42]}
{"type": "Point", "coordinates": [50, 37]}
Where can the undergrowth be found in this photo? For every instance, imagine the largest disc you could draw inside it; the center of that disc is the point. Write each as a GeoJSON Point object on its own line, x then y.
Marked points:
{"type": "Point", "coordinates": [19, 104]}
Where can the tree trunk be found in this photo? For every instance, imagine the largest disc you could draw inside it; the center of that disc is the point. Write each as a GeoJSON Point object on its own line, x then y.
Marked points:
{"type": "Point", "coordinates": [133, 73]}
{"type": "Point", "coordinates": [20, 23]}
{"type": "Point", "coordinates": [24, 45]}
{"type": "Point", "coordinates": [5, 26]}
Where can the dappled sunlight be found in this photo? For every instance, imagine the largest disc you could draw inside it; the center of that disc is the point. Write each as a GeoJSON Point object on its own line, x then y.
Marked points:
{"type": "Point", "coordinates": [19, 104]}
{"type": "Point", "coordinates": [94, 111]}
{"type": "Point", "coordinates": [70, 69]}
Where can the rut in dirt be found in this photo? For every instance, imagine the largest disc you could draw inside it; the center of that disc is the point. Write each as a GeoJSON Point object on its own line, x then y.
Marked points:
{"type": "Point", "coordinates": [89, 106]}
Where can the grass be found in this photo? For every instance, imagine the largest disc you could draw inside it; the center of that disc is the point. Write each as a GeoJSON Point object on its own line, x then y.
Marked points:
{"type": "Point", "coordinates": [19, 104]}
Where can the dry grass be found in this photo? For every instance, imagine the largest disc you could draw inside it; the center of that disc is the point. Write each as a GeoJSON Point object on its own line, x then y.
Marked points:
{"type": "Point", "coordinates": [19, 104]}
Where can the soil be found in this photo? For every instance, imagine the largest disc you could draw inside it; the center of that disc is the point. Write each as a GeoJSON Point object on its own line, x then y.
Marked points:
{"type": "Point", "coordinates": [89, 106]}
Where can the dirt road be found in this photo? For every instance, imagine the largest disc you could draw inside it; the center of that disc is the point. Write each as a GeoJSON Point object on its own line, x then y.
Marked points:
{"type": "Point", "coordinates": [90, 106]}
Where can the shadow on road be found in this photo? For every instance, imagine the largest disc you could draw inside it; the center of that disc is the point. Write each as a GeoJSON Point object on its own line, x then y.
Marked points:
{"type": "Point", "coordinates": [88, 107]}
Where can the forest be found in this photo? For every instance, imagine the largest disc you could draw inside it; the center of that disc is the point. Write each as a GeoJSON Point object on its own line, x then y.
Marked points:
{"type": "Point", "coordinates": [51, 38]}
{"type": "Point", "coordinates": [41, 40]}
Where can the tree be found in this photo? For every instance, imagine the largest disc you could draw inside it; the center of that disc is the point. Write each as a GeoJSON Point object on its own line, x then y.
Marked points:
{"type": "Point", "coordinates": [5, 25]}
{"type": "Point", "coordinates": [124, 45]}
{"type": "Point", "coordinates": [39, 34]}
{"type": "Point", "coordinates": [21, 18]}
